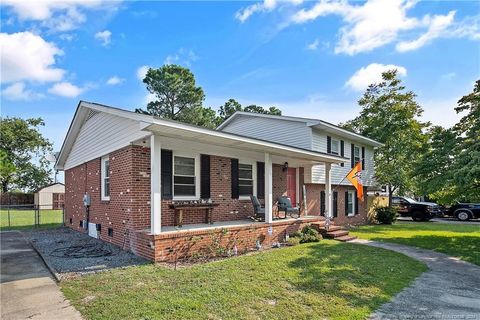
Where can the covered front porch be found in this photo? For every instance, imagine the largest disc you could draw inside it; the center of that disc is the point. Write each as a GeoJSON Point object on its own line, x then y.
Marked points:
{"type": "Point", "coordinates": [216, 160]}
{"type": "Point", "coordinates": [236, 224]}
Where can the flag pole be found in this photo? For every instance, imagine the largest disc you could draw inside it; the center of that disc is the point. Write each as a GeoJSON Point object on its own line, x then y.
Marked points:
{"type": "Point", "coordinates": [330, 195]}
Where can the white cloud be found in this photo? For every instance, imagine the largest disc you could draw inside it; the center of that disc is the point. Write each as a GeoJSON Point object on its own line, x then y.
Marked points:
{"type": "Point", "coordinates": [314, 45]}
{"type": "Point", "coordinates": [366, 27]}
{"type": "Point", "coordinates": [58, 15]}
{"type": "Point", "coordinates": [182, 56]}
{"type": "Point", "coordinates": [115, 80]}
{"type": "Point", "coordinates": [371, 24]}
{"type": "Point", "coordinates": [267, 5]}
{"type": "Point", "coordinates": [372, 73]}
{"type": "Point", "coordinates": [105, 37]}
{"type": "Point", "coordinates": [66, 89]}
{"type": "Point", "coordinates": [142, 72]}
{"type": "Point", "coordinates": [17, 92]}
{"type": "Point", "coordinates": [243, 14]}
{"type": "Point", "coordinates": [436, 27]}
{"type": "Point", "coordinates": [27, 56]}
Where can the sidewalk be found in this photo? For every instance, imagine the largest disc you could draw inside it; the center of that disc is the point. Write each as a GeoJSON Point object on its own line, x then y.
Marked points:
{"type": "Point", "coordinates": [28, 290]}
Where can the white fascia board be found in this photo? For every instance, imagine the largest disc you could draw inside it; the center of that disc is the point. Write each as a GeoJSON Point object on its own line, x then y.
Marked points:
{"type": "Point", "coordinates": [267, 146]}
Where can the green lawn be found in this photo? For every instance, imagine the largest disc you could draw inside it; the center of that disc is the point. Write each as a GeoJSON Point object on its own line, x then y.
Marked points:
{"type": "Point", "coordinates": [310, 281]}
{"type": "Point", "coordinates": [25, 219]}
{"type": "Point", "coordinates": [457, 240]}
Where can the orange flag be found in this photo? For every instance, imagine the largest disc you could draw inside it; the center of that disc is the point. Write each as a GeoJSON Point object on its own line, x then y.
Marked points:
{"type": "Point", "coordinates": [354, 176]}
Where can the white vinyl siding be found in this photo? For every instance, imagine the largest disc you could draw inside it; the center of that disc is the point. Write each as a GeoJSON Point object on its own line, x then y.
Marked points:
{"type": "Point", "coordinates": [319, 143]}
{"type": "Point", "coordinates": [292, 133]}
{"type": "Point", "coordinates": [101, 134]}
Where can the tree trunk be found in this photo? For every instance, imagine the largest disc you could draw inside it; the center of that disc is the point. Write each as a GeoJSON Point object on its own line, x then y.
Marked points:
{"type": "Point", "coordinates": [390, 194]}
{"type": "Point", "coordinates": [4, 186]}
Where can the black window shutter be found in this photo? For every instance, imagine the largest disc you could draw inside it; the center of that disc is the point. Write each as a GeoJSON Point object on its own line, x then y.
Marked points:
{"type": "Point", "coordinates": [363, 158]}
{"type": "Point", "coordinates": [356, 203]}
{"type": "Point", "coordinates": [346, 203]}
{"type": "Point", "coordinates": [335, 209]}
{"type": "Point", "coordinates": [342, 151]}
{"type": "Point", "coordinates": [260, 180]}
{"type": "Point", "coordinates": [234, 172]}
{"type": "Point", "coordinates": [204, 176]}
{"type": "Point", "coordinates": [166, 168]}
{"type": "Point", "coordinates": [329, 144]}
{"type": "Point", "coordinates": [352, 159]}
{"type": "Point", "coordinates": [322, 203]}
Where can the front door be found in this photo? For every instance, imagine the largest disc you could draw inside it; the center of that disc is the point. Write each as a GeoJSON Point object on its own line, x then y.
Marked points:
{"type": "Point", "coordinates": [292, 185]}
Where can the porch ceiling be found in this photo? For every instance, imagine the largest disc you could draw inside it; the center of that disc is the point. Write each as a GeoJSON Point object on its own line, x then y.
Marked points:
{"type": "Point", "coordinates": [186, 132]}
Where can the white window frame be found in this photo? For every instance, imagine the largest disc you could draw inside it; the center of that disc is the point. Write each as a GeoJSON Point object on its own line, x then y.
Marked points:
{"type": "Point", "coordinates": [352, 194]}
{"type": "Point", "coordinates": [337, 144]}
{"type": "Point", "coordinates": [102, 175]}
{"type": "Point", "coordinates": [355, 148]}
{"type": "Point", "coordinates": [254, 178]}
{"type": "Point", "coordinates": [196, 157]}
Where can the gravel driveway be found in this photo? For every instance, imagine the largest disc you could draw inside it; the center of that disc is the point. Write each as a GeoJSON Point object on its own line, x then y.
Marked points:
{"type": "Point", "coordinates": [72, 253]}
{"type": "Point", "coordinates": [449, 290]}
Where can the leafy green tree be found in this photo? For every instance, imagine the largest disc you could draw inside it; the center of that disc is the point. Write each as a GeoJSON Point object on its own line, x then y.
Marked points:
{"type": "Point", "coordinates": [232, 106]}
{"type": "Point", "coordinates": [229, 108]}
{"type": "Point", "coordinates": [434, 171]}
{"type": "Point", "coordinates": [23, 150]}
{"type": "Point", "coordinates": [176, 93]}
{"type": "Point", "coordinates": [390, 115]}
{"type": "Point", "coordinates": [467, 164]}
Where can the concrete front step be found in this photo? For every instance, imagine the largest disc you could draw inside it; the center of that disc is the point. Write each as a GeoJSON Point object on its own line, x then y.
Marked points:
{"type": "Point", "coordinates": [336, 234]}
{"type": "Point", "coordinates": [346, 238]}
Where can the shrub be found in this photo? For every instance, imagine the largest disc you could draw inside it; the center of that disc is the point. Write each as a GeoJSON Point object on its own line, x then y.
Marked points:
{"type": "Point", "coordinates": [293, 241]}
{"type": "Point", "coordinates": [308, 234]}
{"type": "Point", "coordinates": [385, 215]}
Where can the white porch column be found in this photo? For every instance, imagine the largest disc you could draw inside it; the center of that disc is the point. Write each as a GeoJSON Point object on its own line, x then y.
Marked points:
{"type": "Point", "coordinates": [155, 185]}
{"type": "Point", "coordinates": [328, 190]}
{"type": "Point", "coordinates": [268, 188]}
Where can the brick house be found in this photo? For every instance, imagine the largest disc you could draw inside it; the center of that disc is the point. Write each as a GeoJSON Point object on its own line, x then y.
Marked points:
{"type": "Point", "coordinates": [165, 190]}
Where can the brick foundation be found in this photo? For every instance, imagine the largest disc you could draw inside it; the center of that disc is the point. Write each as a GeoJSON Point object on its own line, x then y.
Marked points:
{"type": "Point", "coordinates": [170, 246]}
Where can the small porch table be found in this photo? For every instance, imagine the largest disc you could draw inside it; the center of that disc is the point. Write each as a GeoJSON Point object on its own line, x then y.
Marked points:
{"type": "Point", "coordinates": [181, 207]}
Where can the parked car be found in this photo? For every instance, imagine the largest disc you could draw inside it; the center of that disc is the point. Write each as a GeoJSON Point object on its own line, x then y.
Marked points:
{"type": "Point", "coordinates": [419, 211]}
{"type": "Point", "coordinates": [465, 211]}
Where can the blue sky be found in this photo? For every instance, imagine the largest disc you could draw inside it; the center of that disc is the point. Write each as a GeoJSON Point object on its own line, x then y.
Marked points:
{"type": "Point", "coordinates": [310, 58]}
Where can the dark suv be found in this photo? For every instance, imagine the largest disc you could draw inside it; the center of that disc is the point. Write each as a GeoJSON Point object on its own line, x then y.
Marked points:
{"type": "Point", "coordinates": [465, 211]}
{"type": "Point", "coordinates": [419, 211]}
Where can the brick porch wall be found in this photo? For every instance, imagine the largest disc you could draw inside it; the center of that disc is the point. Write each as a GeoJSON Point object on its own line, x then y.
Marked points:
{"type": "Point", "coordinates": [313, 204]}
{"type": "Point", "coordinates": [177, 245]}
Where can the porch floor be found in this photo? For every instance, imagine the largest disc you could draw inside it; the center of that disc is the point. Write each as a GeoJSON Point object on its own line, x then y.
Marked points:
{"type": "Point", "coordinates": [227, 224]}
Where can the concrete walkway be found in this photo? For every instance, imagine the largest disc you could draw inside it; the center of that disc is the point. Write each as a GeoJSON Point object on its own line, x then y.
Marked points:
{"type": "Point", "coordinates": [27, 288]}
{"type": "Point", "coordinates": [449, 290]}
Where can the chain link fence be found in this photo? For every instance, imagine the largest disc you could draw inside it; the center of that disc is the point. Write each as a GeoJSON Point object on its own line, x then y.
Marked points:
{"type": "Point", "coordinates": [30, 216]}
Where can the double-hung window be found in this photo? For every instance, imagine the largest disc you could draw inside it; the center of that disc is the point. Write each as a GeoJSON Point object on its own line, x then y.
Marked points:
{"type": "Point", "coordinates": [350, 203]}
{"type": "Point", "coordinates": [184, 179]}
{"type": "Point", "coordinates": [335, 146]}
{"type": "Point", "coordinates": [356, 154]}
{"type": "Point", "coordinates": [105, 174]}
{"type": "Point", "coordinates": [245, 180]}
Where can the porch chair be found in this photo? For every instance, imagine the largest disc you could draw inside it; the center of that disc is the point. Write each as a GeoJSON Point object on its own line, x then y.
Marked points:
{"type": "Point", "coordinates": [285, 205]}
{"type": "Point", "coordinates": [258, 210]}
